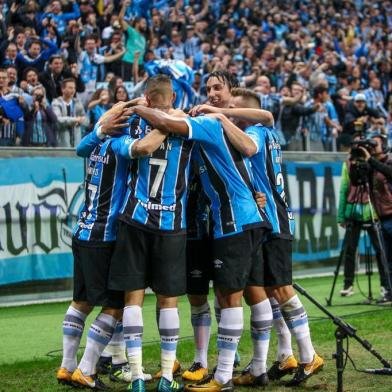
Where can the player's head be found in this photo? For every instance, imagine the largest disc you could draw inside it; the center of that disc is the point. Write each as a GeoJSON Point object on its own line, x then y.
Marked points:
{"type": "Point", "coordinates": [219, 86]}
{"type": "Point", "coordinates": [159, 92]}
{"type": "Point", "coordinates": [244, 98]}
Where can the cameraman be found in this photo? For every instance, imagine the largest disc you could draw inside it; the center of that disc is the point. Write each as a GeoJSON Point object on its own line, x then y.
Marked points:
{"type": "Point", "coordinates": [355, 214]}
{"type": "Point", "coordinates": [40, 121]}
{"type": "Point", "coordinates": [380, 164]}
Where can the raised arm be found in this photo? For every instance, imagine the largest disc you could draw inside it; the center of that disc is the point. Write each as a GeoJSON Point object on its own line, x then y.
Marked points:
{"type": "Point", "coordinates": [121, 15]}
{"type": "Point", "coordinates": [238, 138]}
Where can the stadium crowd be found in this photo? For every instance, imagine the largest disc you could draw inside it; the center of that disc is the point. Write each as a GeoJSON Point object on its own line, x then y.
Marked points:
{"type": "Point", "coordinates": [321, 67]}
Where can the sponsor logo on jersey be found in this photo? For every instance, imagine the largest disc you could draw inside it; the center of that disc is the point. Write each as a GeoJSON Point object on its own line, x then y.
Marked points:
{"type": "Point", "coordinates": [157, 207]}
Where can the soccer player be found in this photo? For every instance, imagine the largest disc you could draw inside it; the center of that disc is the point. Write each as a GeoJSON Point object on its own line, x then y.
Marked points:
{"type": "Point", "coordinates": [150, 249]}
{"type": "Point", "coordinates": [261, 144]}
{"type": "Point", "coordinates": [219, 86]}
{"type": "Point", "coordinates": [92, 246]}
{"type": "Point", "coordinates": [238, 228]}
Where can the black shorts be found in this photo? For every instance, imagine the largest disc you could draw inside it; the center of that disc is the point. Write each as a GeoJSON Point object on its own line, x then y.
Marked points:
{"type": "Point", "coordinates": [278, 269]}
{"type": "Point", "coordinates": [144, 259]}
{"type": "Point", "coordinates": [238, 260]}
{"type": "Point", "coordinates": [199, 259]}
{"type": "Point", "coordinates": [91, 273]}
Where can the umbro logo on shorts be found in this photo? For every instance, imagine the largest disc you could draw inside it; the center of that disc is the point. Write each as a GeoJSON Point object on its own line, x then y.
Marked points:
{"type": "Point", "coordinates": [218, 263]}
{"type": "Point", "coordinates": [196, 274]}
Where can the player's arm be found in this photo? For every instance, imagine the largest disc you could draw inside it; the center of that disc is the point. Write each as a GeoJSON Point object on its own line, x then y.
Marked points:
{"type": "Point", "coordinates": [148, 144]}
{"type": "Point", "coordinates": [130, 148]}
{"type": "Point", "coordinates": [162, 121]}
{"type": "Point", "coordinates": [255, 115]}
{"type": "Point", "coordinates": [108, 127]}
{"type": "Point", "coordinates": [238, 138]}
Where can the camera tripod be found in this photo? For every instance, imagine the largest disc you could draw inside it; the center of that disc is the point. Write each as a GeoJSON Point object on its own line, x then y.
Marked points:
{"type": "Point", "coordinates": [344, 331]}
{"type": "Point", "coordinates": [374, 226]}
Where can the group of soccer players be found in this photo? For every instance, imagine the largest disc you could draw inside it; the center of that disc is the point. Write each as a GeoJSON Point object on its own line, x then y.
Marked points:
{"type": "Point", "coordinates": [174, 201]}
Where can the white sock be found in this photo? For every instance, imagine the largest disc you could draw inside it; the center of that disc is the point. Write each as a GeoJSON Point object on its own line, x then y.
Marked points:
{"type": "Point", "coordinates": [229, 334]}
{"type": "Point", "coordinates": [73, 326]}
{"type": "Point", "coordinates": [98, 337]}
{"type": "Point", "coordinates": [133, 336]}
{"type": "Point", "coordinates": [297, 321]}
{"type": "Point", "coordinates": [282, 332]}
{"type": "Point", "coordinates": [169, 329]}
{"type": "Point", "coordinates": [201, 322]}
{"type": "Point", "coordinates": [116, 347]}
{"type": "Point", "coordinates": [261, 324]}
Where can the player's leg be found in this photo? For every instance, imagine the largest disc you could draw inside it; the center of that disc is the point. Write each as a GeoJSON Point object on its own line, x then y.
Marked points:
{"type": "Point", "coordinates": [296, 318]}
{"type": "Point", "coordinates": [199, 257]}
{"type": "Point", "coordinates": [73, 326]}
{"type": "Point", "coordinates": [96, 264]}
{"type": "Point", "coordinates": [233, 258]}
{"type": "Point", "coordinates": [129, 272]}
{"type": "Point", "coordinates": [74, 319]}
{"type": "Point", "coordinates": [168, 281]}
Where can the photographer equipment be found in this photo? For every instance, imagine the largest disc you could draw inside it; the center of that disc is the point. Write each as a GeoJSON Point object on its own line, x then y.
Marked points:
{"type": "Point", "coordinates": [343, 332]}
{"type": "Point", "coordinates": [359, 175]}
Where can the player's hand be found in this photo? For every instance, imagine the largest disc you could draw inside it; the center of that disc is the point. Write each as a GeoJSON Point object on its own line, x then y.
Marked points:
{"type": "Point", "coordinates": [114, 123]}
{"type": "Point", "coordinates": [199, 109]}
{"type": "Point", "coordinates": [261, 199]}
{"type": "Point", "coordinates": [137, 101]}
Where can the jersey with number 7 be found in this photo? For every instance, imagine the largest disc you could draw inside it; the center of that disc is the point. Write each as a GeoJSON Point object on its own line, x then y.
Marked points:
{"type": "Point", "coordinates": [157, 185]}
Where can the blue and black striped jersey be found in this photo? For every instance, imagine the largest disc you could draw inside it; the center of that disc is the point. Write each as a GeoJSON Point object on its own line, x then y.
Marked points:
{"type": "Point", "coordinates": [268, 178]}
{"type": "Point", "coordinates": [226, 178]}
{"type": "Point", "coordinates": [157, 185]}
{"type": "Point", "coordinates": [105, 185]}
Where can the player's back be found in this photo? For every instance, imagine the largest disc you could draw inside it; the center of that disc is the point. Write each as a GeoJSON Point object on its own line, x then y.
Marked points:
{"type": "Point", "coordinates": [156, 195]}
{"type": "Point", "coordinates": [268, 178]}
{"type": "Point", "coordinates": [226, 179]}
{"type": "Point", "coordinates": [105, 185]}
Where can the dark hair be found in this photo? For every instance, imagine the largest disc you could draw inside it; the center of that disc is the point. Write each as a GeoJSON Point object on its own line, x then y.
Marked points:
{"type": "Point", "coordinates": [67, 80]}
{"type": "Point", "coordinates": [318, 90]}
{"type": "Point", "coordinates": [225, 77]}
{"type": "Point", "coordinates": [246, 94]}
{"type": "Point", "coordinates": [34, 41]}
{"type": "Point", "coordinates": [27, 70]}
{"type": "Point", "coordinates": [55, 57]}
{"type": "Point", "coordinates": [116, 91]}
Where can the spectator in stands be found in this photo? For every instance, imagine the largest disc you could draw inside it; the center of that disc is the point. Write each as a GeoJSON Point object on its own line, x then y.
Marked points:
{"type": "Point", "coordinates": [36, 56]}
{"type": "Point", "coordinates": [358, 115]}
{"type": "Point", "coordinates": [99, 104]}
{"type": "Point", "coordinates": [30, 80]}
{"type": "Point", "coordinates": [10, 55]}
{"type": "Point", "coordinates": [375, 97]}
{"type": "Point", "coordinates": [135, 42]}
{"type": "Point", "coordinates": [291, 117]}
{"type": "Point", "coordinates": [120, 95]}
{"type": "Point", "coordinates": [91, 65]}
{"type": "Point", "coordinates": [70, 114]}
{"type": "Point", "coordinates": [55, 12]}
{"type": "Point", "coordinates": [40, 122]}
{"type": "Point", "coordinates": [56, 72]}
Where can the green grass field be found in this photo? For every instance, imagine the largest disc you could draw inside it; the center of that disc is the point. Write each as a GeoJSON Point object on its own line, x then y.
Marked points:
{"type": "Point", "coordinates": [30, 345]}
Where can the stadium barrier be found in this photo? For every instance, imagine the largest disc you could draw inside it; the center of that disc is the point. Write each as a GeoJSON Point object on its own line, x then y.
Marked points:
{"type": "Point", "coordinates": [41, 193]}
